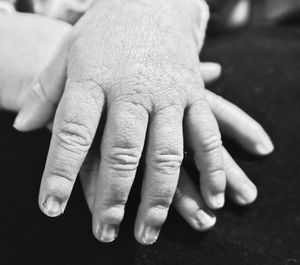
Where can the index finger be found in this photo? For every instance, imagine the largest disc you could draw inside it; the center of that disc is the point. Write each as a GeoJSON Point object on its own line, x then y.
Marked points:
{"type": "Point", "coordinates": [74, 128]}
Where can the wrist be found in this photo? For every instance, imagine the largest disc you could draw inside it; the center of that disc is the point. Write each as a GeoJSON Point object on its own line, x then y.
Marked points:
{"type": "Point", "coordinates": [185, 17]}
{"type": "Point", "coordinates": [189, 8]}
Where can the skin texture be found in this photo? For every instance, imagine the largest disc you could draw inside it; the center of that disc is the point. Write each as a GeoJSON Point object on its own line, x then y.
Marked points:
{"type": "Point", "coordinates": [187, 200]}
{"type": "Point", "coordinates": [144, 81]}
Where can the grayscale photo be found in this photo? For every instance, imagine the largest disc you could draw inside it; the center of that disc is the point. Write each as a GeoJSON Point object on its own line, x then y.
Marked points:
{"type": "Point", "coordinates": [150, 132]}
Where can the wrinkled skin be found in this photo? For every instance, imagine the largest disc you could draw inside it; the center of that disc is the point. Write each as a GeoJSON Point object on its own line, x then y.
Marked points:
{"type": "Point", "coordinates": [104, 187]}
{"type": "Point", "coordinates": [126, 59]}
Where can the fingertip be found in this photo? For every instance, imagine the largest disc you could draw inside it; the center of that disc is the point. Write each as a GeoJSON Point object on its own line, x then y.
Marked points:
{"type": "Point", "coordinates": [246, 195]}
{"type": "Point", "coordinates": [30, 120]}
{"type": "Point", "coordinates": [213, 189]}
{"type": "Point", "coordinates": [260, 142]}
{"type": "Point", "coordinates": [51, 206]}
{"type": "Point", "coordinates": [204, 220]}
{"type": "Point", "coordinates": [19, 124]}
{"type": "Point", "coordinates": [216, 68]}
{"type": "Point", "coordinates": [210, 71]}
{"type": "Point", "coordinates": [106, 233]}
{"type": "Point", "coordinates": [147, 234]}
{"type": "Point", "coordinates": [36, 111]}
{"type": "Point", "coordinates": [264, 148]}
{"type": "Point", "coordinates": [216, 201]}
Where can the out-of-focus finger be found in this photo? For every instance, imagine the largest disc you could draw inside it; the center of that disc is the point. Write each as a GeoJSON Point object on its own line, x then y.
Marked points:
{"type": "Point", "coordinates": [238, 125]}
{"type": "Point", "coordinates": [240, 188]}
{"type": "Point", "coordinates": [190, 205]}
{"type": "Point", "coordinates": [210, 71]}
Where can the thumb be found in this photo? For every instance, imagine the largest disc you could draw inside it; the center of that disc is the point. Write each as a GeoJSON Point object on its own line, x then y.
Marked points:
{"type": "Point", "coordinates": [41, 102]}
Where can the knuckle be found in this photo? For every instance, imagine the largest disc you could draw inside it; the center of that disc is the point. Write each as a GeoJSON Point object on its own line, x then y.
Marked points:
{"type": "Point", "coordinates": [173, 109]}
{"type": "Point", "coordinates": [142, 86]}
{"type": "Point", "coordinates": [74, 136]}
{"type": "Point", "coordinates": [61, 170]}
{"type": "Point", "coordinates": [212, 143]}
{"type": "Point", "coordinates": [216, 174]}
{"type": "Point", "coordinates": [122, 159]}
{"type": "Point", "coordinates": [166, 162]}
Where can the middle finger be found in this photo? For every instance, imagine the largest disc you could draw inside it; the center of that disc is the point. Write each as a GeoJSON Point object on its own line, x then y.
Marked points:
{"type": "Point", "coordinates": [121, 149]}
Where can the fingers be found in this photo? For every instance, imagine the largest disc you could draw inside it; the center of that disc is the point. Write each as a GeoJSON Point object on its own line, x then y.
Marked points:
{"type": "Point", "coordinates": [205, 140]}
{"type": "Point", "coordinates": [188, 202]}
{"type": "Point", "coordinates": [240, 188]}
{"type": "Point", "coordinates": [41, 102]}
{"type": "Point", "coordinates": [74, 128]}
{"type": "Point", "coordinates": [210, 71]}
{"type": "Point", "coordinates": [238, 125]}
{"type": "Point", "coordinates": [121, 149]}
{"type": "Point", "coordinates": [163, 160]}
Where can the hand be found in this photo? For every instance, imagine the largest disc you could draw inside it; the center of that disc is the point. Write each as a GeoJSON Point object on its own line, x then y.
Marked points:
{"type": "Point", "coordinates": [139, 80]}
{"type": "Point", "coordinates": [40, 38]}
{"type": "Point", "coordinates": [191, 199]}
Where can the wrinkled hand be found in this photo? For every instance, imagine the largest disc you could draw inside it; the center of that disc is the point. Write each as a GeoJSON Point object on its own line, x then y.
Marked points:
{"type": "Point", "coordinates": [126, 61]}
{"type": "Point", "coordinates": [21, 66]}
{"type": "Point", "coordinates": [187, 200]}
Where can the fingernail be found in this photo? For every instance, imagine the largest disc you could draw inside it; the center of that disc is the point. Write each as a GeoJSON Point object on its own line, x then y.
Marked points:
{"type": "Point", "coordinates": [265, 148]}
{"type": "Point", "coordinates": [107, 232]}
{"type": "Point", "coordinates": [218, 200]}
{"type": "Point", "coordinates": [247, 194]}
{"type": "Point", "coordinates": [204, 220]}
{"type": "Point", "coordinates": [150, 234]}
{"type": "Point", "coordinates": [52, 206]}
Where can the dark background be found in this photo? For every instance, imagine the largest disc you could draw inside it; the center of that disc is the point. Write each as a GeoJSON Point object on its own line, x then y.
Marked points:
{"type": "Point", "coordinates": [261, 74]}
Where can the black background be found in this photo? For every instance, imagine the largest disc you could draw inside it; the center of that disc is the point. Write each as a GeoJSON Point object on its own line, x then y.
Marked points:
{"type": "Point", "coordinates": [261, 74]}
